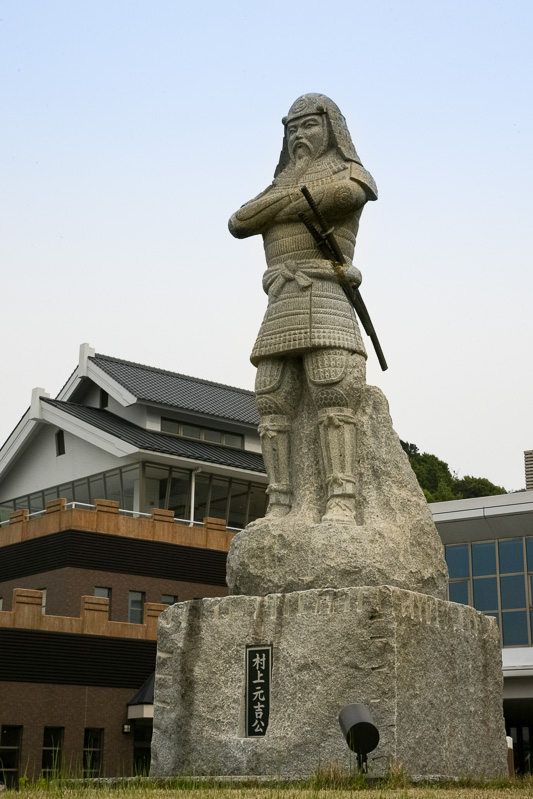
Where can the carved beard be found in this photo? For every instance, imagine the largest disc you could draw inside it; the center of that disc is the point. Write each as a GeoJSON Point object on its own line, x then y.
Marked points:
{"type": "Point", "coordinates": [310, 169]}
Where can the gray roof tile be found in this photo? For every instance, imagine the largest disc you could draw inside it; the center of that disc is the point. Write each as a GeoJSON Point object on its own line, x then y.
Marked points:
{"type": "Point", "coordinates": [160, 442]}
{"type": "Point", "coordinates": [179, 391]}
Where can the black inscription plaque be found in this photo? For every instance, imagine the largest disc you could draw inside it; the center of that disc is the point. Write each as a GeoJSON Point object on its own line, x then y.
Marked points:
{"type": "Point", "coordinates": [258, 674]}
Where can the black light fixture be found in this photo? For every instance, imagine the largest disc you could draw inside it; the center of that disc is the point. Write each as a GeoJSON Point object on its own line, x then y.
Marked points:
{"type": "Point", "coordinates": [362, 735]}
{"type": "Point", "coordinates": [126, 728]}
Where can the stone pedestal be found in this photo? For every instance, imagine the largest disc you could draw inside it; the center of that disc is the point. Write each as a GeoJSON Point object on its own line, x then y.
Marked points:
{"type": "Point", "coordinates": [428, 670]}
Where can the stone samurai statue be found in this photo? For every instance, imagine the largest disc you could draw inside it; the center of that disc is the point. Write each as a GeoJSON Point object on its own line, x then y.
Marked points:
{"type": "Point", "coordinates": [310, 336]}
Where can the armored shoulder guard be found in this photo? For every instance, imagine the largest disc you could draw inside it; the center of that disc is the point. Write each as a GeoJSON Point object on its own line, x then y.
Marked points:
{"type": "Point", "coordinates": [365, 179]}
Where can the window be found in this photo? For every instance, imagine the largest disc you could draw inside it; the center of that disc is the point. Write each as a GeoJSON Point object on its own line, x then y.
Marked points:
{"type": "Point", "coordinates": [169, 599]}
{"type": "Point", "coordinates": [81, 491]}
{"type": "Point", "coordinates": [209, 434]}
{"type": "Point", "coordinates": [60, 443]}
{"type": "Point", "coordinates": [10, 742]}
{"type": "Point", "coordinates": [92, 751]}
{"type": "Point", "coordinates": [52, 746]}
{"type": "Point", "coordinates": [492, 576]}
{"type": "Point", "coordinates": [458, 561]}
{"type": "Point", "coordinates": [135, 607]}
{"type": "Point", "coordinates": [104, 592]}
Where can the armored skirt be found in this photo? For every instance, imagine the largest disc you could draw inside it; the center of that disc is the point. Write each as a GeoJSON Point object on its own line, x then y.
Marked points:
{"type": "Point", "coordinates": [306, 311]}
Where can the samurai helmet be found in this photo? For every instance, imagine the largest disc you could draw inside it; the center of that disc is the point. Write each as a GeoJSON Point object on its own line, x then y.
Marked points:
{"type": "Point", "coordinates": [339, 135]}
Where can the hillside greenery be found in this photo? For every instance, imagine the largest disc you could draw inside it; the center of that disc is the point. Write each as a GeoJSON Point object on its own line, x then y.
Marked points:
{"type": "Point", "coordinates": [439, 484]}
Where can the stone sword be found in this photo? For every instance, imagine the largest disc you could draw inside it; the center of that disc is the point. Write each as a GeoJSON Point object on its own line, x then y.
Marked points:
{"type": "Point", "coordinates": [329, 247]}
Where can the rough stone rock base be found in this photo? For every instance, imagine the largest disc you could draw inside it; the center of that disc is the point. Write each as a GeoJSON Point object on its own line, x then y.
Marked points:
{"type": "Point", "coordinates": [392, 539]}
{"type": "Point", "coordinates": [429, 671]}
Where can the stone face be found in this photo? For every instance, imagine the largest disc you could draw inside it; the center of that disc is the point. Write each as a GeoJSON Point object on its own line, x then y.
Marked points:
{"type": "Point", "coordinates": [429, 671]}
{"type": "Point", "coordinates": [392, 540]}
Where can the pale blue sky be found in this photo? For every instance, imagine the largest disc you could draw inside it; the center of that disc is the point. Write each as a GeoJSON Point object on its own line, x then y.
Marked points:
{"type": "Point", "coordinates": [132, 130]}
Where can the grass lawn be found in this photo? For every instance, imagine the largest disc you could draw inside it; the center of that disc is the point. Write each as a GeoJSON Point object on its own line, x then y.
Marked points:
{"type": "Point", "coordinates": [186, 789]}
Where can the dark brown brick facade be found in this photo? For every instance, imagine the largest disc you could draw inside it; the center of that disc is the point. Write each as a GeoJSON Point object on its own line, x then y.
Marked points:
{"type": "Point", "coordinates": [65, 587]}
{"type": "Point", "coordinates": [74, 707]}
{"type": "Point", "coordinates": [64, 552]}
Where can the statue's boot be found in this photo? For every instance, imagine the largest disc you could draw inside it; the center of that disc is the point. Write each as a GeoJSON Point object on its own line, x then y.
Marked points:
{"type": "Point", "coordinates": [275, 443]}
{"type": "Point", "coordinates": [338, 445]}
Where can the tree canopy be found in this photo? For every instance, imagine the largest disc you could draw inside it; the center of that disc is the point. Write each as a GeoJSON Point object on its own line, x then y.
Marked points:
{"type": "Point", "coordinates": [439, 484]}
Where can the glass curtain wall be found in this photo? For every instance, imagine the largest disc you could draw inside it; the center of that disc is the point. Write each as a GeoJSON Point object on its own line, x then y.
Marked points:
{"type": "Point", "coordinates": [121, 485]}
{"type": "Point", "coordinates": [236, 501]}
{"type": "Point", "coordinates": [496, 577]}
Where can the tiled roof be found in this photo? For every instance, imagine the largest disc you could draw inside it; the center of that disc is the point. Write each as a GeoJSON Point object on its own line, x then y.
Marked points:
{"type": "Point", "coordinates": [179, 391]}
{"type": "Point", "coordinates": [160, 442]}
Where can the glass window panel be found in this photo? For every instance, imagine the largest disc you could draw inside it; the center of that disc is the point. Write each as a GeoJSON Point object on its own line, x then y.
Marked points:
{"type": "Point", "coordinates": [92, 738]}
{"type": "Point", "coordinates": [513, 592]}
{"type": "Point", "coordinates": [457, 561]}
{"type": "Point", "coordinates": [514, 627]}
{"type": "Point", "coordinates": [8, 760]}
{"type": "Point", "coordinates": [170, 426]}
{"type": "Point", "coordinates": [36, 502]}
{"type": "Point", "coordinates": [156, 485]}
{"type": "Point", "coordinates": [215, 436]}
{"type": "Point", "coordinates": [96, 485]}
{"type": "Point", "coordinates": [459, 592]}
{"type": "Point", "coordinates": [135, 607]}
{"type": "Point", "coordinates": [511, 556]}
{"type": "Point", "coordinates": [6, 508]}
{"type": "Point", "coordinates": [529, 551]}
{"type": "Point", "coordinates": [22, 502]}
{"type": "Point", "coordinates": [52, 737]}
{"type": "Point", "coordinates": [67, 491]}
{"type": "Point", "coordinates": [219, 498]}
{"type": "Point", "coordinates": [486, 594]}
{"type": "Point", "coordinates": [233, 440]}
{"type": "Point", "coordinates": [238, 504]}
{"type": "Point", "coordinates": [178, 500]}
{"type": "Point", "coordinates": [10, 736]}
{"type": "Point", "coordinates": [130, 487]}
{"type": "Point", "coordinates": [191, 431]}
{"type": "Point", "coordinates": [49, 495]}
{"type": "Point", "coordinates": [169, 599]}
{"type": "Point", "coordinates": [81, 492]}
{"type": "Point", "coordinates": [201, 497]}
{"type": "Point", "coordinates": [113, 487]}
{"type": "Point", "coordinates": [483, 559]}
{"type": "Point", "coordinates": [258, 502]}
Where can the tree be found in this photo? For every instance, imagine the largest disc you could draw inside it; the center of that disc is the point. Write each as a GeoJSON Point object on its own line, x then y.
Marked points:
{"type": "Point", "coordinates": [478, 487]}
{"type": "Point", "coordinates": [439, 484]}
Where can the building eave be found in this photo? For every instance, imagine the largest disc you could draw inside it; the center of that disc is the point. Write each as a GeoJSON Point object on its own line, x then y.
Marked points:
{"type": "Point", "coordinates": [98, 438]}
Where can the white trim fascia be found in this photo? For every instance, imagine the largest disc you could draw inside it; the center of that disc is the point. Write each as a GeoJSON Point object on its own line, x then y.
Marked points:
{"type": "Point", "coordinates": [212, 468]}
{"type": "Point", "coordinates": [23, 432]}
{"type": "Point", "coordinates": [70, 386]}
{"type": "Point", "coordinates": [114, 389]}
{"type": "Point", "coordinates": [145, 711]}
{"type": "Point", "coordinates": [12, 448]}
{"type": "Point", "coordinates": [86, 351]}
{"type": "Point", "coordinates": [87, 432]}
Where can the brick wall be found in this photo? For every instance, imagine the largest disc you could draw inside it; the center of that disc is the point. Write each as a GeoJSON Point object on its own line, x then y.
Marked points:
{"type": "Point", "coordinates": [74, 707]}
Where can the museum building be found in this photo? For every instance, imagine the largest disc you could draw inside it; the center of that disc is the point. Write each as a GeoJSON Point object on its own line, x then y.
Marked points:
{"type": "Point", "coordinates": [120, 497]}
{"type": "Point", "coordinates": [117, 498]}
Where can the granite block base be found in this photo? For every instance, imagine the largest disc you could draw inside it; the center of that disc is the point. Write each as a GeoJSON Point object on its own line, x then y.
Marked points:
{"type": "Point", "coordinates": [428, 670]}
